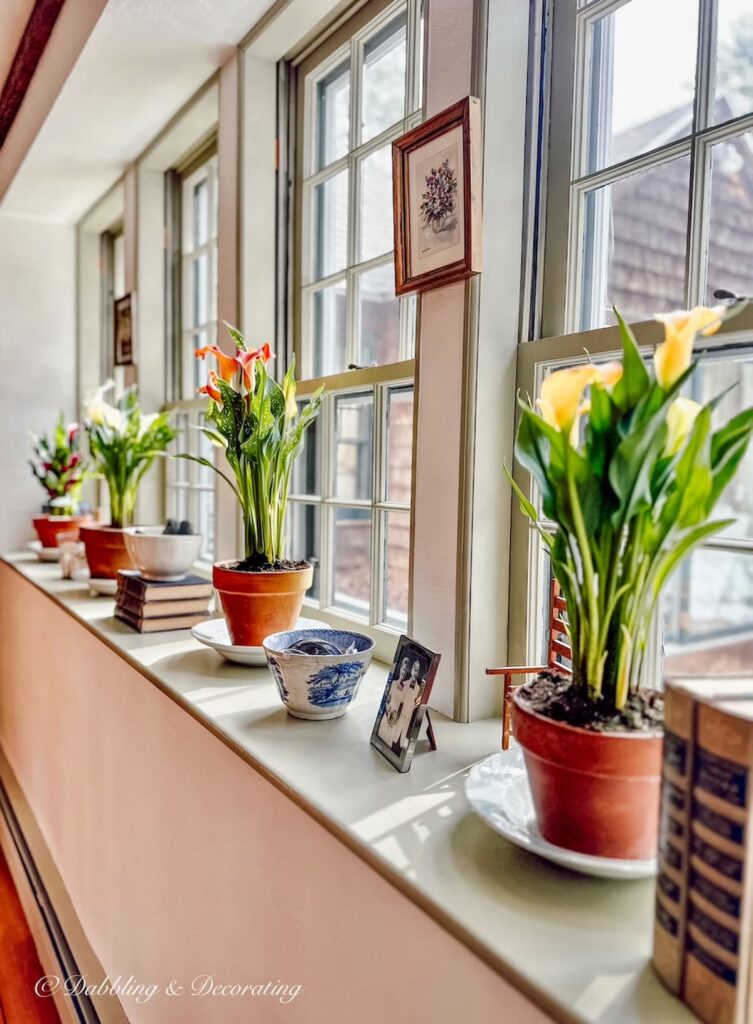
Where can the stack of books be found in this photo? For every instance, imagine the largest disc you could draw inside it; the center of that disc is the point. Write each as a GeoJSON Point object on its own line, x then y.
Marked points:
{"type": "Point", "coordinates": [151, 606]}
{"type": "Point", "coordinates": [703, 931]}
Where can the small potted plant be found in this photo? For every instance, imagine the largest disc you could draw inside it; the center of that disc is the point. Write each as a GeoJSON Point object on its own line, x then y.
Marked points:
{"type": "Point", "coordinates": [630, 473]}
{"type": "Point", "coordinates": [61, 469]}
{"type": "Point", "coordinates": [259, 426]}
{"type": "Point", "coordinates": [123, 443]}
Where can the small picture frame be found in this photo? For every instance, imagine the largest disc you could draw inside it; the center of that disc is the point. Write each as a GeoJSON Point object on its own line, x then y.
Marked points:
{"type": "Point", "coordinates": [123, 329]}
{"type": "Point", "coordinates": [402, 710]}
{"type": "Point", "coordinates": [436, 187]}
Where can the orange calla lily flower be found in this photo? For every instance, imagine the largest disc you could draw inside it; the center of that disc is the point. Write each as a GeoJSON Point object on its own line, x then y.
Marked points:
{"type": "Point", "coordinates": [211, 389]}
{"type": "Point", "coordinates": [247, 361]}
{"type": "Point", "coordinates": [227, 365]}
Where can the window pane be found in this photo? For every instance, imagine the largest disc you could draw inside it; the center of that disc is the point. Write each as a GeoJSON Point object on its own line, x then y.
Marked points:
{"type": "Point", "coordinates": [181, 443]}
{"type": "Point", "coordinates": [643, 58]}
{"type": "Point", "coordinates": [304, 526]}
{"type": "Point", "coordinates": [177, 506]}
{"type": "Point", "coordinates": [330, 225]}
{"type": "Point", "coordinates": [204, 447]}
{"type": "Point", "coordinates": [708, 615]}
{"type": "Point", "coordinates": [199, 290]}
{"type": "Point", "coordinates": [379, 317]}
{"type": "Point", "coordinates": [328, 336]}
{"type": "Point", "coordinates": [352, 560]}
{"type": "Point", "coordinates": [118, 266]}
{"type": "Point", "coordinates": [354, 429]}
{"type": "Point", "coordinates": [333, 115]}
{"type": "Point", "coordinates": [306, 468]}
{"type": "Point", "coordinates": [205, 524]}
{"type": "Point", "coordinates": [383, 96]}
{"type": "Point", "coordinates": [399, 444]}
{"type": "Point", "coordinates": [376, 204]}
{"type": "Point", "coordinates": [635, 240]}
{"type": "Point", "coordinates": [730, 256]}
{"type": "Point", "coordinates": [733, 94]}
{"type": "Point", "coordinates": [712, 377]}
{"type": "Point", "coordinates": [201, 213]}
{"type": "Point", "coordinates": [397, 559]}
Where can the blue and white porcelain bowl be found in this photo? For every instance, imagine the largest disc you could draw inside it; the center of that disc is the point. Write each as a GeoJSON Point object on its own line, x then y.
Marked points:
{"type": "Point", "coordinates": [318, 685]}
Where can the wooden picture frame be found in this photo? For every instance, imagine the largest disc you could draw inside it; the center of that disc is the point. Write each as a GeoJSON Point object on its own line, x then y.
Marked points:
{"type": "Point", "coordinates": [436, 190]}
{"type": "Point", "coordinates": [123, 329]}
{"type": "Point", "coordinates": [402, 709]}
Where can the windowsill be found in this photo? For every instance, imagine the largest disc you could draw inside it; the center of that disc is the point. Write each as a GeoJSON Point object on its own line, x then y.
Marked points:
{"type": "Point", "coordinates": [577, 947]}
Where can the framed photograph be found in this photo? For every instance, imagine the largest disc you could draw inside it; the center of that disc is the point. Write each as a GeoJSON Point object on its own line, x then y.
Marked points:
{"type": "Point", "coordinates": [123, 323]}
{"type": "Point", "coordinates": [436, 188]}
{"type": "Point", "coordinates": [403, 706]}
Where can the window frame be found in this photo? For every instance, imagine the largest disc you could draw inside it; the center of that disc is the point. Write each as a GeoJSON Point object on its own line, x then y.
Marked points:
{"type": "Point", "coordinates": [347, 42]}
{"type": "Point", "coordinates": [201, 164]}
{"type": "Point", "coordinates": [569, 180]}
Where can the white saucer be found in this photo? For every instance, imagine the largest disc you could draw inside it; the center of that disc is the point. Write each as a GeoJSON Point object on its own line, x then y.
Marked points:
{"type": "Point", "coordinates": [497, 789]}
{"type": "Point", "coordinates": [44, 554]}
{"type": "Point", "coordinates": [214, 633]}
{"type": "Point", "coordinates": [98, 586]}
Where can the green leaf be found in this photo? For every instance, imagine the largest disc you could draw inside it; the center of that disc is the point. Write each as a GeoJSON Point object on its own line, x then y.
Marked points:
{"type": "Point", "coordinates": [635, 381]}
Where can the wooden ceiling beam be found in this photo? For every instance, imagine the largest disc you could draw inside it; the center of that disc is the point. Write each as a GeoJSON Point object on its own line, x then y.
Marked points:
{"type": "Point", "coordinates": [28, 54]}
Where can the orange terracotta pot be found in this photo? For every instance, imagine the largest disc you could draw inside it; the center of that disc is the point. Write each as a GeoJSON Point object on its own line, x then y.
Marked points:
{"type": "Point", "coordinates": [257, 604]}
{"type": "Point", "coordinates": [597, 793]}
{"type": "Point", "coordinates": [106, 551]}
{"type": "Point", "coordinates": [48, 527]}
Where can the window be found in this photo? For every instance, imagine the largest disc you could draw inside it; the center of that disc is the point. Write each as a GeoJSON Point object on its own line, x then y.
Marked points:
{"type": "Point", "coordinates": [659, 177]}
{"type": "Point", "coordinates": [112, 248]}
{"type": "Point", "coordinates": [649, 203]}
{"type": "Point", "coordinates": [350, 510]}
{"type": "Point", "coordinates": [190, 486]}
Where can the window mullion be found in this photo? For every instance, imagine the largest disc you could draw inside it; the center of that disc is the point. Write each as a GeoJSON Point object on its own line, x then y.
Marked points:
{"type": "Point", "coordinates": [703, 114]}
{"type": "Point", "coordinates": [698, 226]}
{"type": "Point", "coordinates": [378, 518]}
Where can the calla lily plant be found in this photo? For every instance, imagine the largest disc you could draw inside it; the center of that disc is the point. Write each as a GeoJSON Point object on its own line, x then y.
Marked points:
{"type": "Point", "coordinates": [124, 443]}
{"type": "Point", "coordinates": [260, 427]}
{"type": "Point", "coordinates": [630, 472]}
{"type": "Point", "coordinates": [59, 466]}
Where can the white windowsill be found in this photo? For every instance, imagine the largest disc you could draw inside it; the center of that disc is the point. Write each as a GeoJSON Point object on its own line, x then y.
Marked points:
{"type": "Point", "coordinates": [577, 947]}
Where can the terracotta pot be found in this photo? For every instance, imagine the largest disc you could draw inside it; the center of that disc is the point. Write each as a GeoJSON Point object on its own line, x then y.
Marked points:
{"type": "Point", "coordinates": [593, 792]}
{"type": "Point", "coordinates": [106, 551]}
{"type": "Point", "coordinates": [257, 604]}
{"type": "Point", "coordinates": [48, 527]}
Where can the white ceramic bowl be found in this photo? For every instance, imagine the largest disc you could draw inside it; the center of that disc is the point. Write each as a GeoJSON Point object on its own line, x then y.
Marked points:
{"type": "Point", "coordinates": [318, 685]}
{"type": "Point", "coordinates": [162, 556]}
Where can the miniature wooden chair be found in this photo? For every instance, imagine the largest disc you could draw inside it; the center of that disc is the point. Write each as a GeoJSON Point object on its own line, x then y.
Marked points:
{"type": "Point", "coordinates": [558, 649]}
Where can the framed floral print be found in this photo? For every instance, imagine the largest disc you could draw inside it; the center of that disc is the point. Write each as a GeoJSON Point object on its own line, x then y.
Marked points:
{"type": "Point", "coordinates": [436, 186]}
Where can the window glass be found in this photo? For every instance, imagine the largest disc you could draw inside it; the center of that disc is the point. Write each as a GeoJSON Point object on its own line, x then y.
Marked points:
{"type": "Point", "coordinates": [383, 82]}
{"type": "Point", "coordinates": [375, 204]}
{"type": "Point", "coordinates": [634, 245]}
{"type": "Point", "coordinates": [354, 439]}
{"type": "Point", "coordinates": [733, 79]}
{"type": "Point", "coordinates": [730, 254]}
{"type": "Point", "coordinates": [331, 225]}
{"type": "Point", "coordinates": [642, 73]}
{"type": "Point", "coordinates": [352, 560]}
{"type": "Point", "coordinates": [400, 445]}
{"type": "Point", "coordinates": [332, 115]}
{"type": "Point", "coordinates": [708, 615]}
{"type": "Point", "coordinates": [378, 317]}
{"type": "Point", "coordinates": [397, 559]}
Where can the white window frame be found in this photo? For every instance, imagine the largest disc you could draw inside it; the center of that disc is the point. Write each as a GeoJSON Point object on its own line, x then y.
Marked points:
{"type": "Point", "coordinates": [570, 182]}
{"type": "Point", "coordinates": [377, 381]}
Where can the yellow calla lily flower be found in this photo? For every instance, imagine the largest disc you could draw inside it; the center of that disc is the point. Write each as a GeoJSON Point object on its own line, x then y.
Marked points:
{"type": "Point", "coordinates": [609, 374]}
{"type": "Point", "coordinates": [673, 356]}
{"type": "Point", "coordinates": [561, 394]}
{"type": "Point", "coordinates": [680, 418]}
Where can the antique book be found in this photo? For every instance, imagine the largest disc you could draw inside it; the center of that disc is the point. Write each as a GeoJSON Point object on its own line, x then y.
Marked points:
{"type": "Point", "coordinates": [164, 623]}
{"type": "Point", "coordinates": [676, 859]}
{"type": "Point", "coordinates": [155, 609]}
{"type": "Point", "coordinates": [135, 586]}
{"type": "Point", "coordinates": [717, 966]}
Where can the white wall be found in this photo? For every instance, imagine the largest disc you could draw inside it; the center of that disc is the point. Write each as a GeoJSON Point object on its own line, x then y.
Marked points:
{"type": "Point", "coordinates": [37, 357]}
